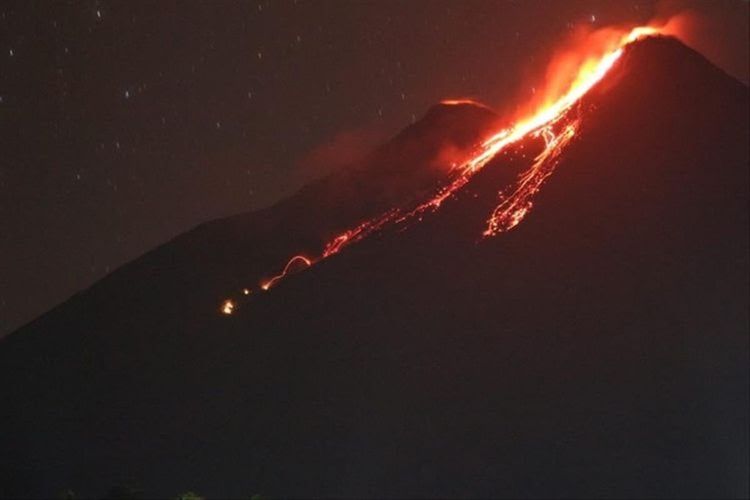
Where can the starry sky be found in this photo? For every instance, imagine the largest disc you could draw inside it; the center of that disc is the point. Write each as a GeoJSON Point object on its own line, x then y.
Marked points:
{"type": "Point", "coordinates": [127, 123]}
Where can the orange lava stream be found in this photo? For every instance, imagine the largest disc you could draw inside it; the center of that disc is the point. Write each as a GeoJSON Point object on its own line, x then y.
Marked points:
{"type": "Point", "coordinates": [297, 258]}
{"type": "Point", "coordinates": [514, 206]}
{"type": "Point", "coordinates": [458, 102]}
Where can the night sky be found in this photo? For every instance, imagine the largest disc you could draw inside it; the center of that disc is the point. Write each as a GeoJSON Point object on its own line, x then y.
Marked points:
{"type": "Point", "coordinates": [127, 123]}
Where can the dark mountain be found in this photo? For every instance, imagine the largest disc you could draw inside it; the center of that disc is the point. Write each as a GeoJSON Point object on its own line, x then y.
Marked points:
{"type": "Point", "coordinates": [598, 349]}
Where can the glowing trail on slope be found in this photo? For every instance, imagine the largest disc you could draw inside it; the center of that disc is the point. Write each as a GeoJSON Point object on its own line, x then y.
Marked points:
{"type": "Point", "coordinates": [514, 206]}
{"type": "Point", "coordinates": [589, 75]}
{"type": "Point", "coordinates": [301, 260]}
{"type": "Point", "coordinates": [458, 102]}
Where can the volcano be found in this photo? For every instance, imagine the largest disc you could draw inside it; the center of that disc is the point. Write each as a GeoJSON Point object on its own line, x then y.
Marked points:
{"type": "Point", "coordinates": [596, 345]}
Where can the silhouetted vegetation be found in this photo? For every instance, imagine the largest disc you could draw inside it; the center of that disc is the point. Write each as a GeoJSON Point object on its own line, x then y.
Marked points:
{"type": "Point", "coordinates": [131, 493]}
{"type": "Point", "coordinates": [189, 495]}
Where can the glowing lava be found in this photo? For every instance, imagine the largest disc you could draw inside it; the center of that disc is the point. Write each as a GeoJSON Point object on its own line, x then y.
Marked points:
{"type": "Point", "coordinates": [227, 307]}
{"type": "Point", "coordinates": [296, 261]}
{"type": "Point", "coordinates": [459, 102]}
{"type": "Point", "coordinates": [514, 207]}
{"type": "Point", "coordinates": [549, 121]}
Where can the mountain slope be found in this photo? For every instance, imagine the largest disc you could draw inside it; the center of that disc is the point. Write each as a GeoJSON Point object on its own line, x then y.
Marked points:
{"type": "Point", "coordinates": [599, 349]}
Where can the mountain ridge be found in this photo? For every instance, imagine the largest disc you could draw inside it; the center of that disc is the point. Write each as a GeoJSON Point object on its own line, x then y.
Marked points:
{"type": "Point", "coordinates": [587, 352]}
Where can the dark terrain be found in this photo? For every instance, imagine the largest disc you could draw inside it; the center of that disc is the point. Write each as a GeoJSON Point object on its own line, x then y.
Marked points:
{"type": "Point", "coordinates": [598, 349]}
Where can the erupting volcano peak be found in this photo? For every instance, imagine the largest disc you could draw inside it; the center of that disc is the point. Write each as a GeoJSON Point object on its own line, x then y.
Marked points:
{"type": "Point", "coordinates": [549, 121]}
{"type": "Point", "coordinates": [546, 304]}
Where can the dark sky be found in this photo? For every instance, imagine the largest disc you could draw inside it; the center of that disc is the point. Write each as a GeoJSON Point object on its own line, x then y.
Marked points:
{"type": "Point", "coordinates": [126, 123]}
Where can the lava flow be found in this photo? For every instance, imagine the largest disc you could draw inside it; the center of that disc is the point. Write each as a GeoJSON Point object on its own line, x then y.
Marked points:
{"type": "Point", "coordinates": [296, 261]}
{"type": "Point", "coordinates": [549, 121]}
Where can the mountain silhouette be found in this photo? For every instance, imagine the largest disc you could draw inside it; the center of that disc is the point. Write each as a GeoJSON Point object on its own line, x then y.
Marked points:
{"type": "Point", "coordinates": [600, 348]}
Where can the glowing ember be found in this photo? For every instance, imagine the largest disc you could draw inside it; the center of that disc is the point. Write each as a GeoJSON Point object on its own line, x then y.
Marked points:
{"type": "Point", "coordinates": [227, 307]}
{"type": "Point", "coordinates": [549, 121]}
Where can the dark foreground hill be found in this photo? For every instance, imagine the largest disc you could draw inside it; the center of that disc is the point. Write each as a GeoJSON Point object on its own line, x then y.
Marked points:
{"type": "Point", "coordinates": [598, 349]}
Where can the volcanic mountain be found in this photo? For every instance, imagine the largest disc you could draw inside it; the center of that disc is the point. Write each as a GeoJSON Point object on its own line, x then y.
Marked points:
{"type": "Point", "coordinates": [599, 348]}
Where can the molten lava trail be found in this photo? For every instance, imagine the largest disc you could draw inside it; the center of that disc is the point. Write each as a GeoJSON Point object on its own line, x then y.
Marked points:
{"type": "Point", "coordinates": [550, 122]}
{"type": "Point", "coordinates": [297, 260]}
{"type": "Point", "coordinates": [516, 205]}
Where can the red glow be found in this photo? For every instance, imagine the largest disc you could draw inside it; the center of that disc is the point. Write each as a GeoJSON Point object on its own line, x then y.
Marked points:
{"type": "Point", "coordinates": [571, 75]}
{"type": "Point", "coordinates": [296, 261]}
{"type": "Point", "coordinates": [514, 207]}
{"type": "Point", "coordinates": [464, 101]}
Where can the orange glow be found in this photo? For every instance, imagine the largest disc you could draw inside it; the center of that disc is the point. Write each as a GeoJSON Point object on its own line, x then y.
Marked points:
{"type": "Point", "coordinates": [608, 48]}
{"type": "Point", "coordinates": [454, 102]}
{"type": "Point", "coordinates": [355, 234]}
{"type": "Point", "coordinates": [336, 244]}
{"type": "Point", "coordinates": [465, 101]}
{"type": "Point", "coordinates": [227, 307]}
{"type": "Point", "coordinates": [572, 80]}
{"type": "Point", "coordinates": [297, 260]}
{"type": "Point", "coordinates": [514, 207]}
{"type": "Point", "coordinates": [570, 76]}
